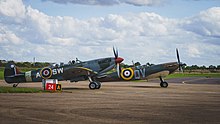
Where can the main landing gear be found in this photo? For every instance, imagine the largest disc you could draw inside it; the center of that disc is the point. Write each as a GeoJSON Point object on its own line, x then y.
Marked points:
{"type": "Point", "coordinates": [94, 85]}
{"type": "Point", "coordinates": [163, 83]}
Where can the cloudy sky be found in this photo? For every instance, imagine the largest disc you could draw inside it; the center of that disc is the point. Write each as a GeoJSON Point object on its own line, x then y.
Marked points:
{"type": "Point", "coordinates": [142, 30]}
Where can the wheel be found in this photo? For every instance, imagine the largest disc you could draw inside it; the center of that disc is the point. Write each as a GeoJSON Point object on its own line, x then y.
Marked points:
{"type": "Point", "coordinates": [15, 85]}
{"type": "Point", "coordinates": [98, 85]}
{"type": "Point", "coordinates": [164, 84]}
{"type": "Point", "coordinates": [92, 85]}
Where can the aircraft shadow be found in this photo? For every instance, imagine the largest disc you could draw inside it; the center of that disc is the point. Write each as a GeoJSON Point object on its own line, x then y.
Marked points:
{"type": "Point", "coordinates": [71, 88]}
{"type": "Point", "coordinates": [146, 86]}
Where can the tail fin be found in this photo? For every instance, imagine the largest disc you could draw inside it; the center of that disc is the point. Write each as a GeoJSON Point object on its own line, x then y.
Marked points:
{"type": "Point", "coordinates": [11, 73]}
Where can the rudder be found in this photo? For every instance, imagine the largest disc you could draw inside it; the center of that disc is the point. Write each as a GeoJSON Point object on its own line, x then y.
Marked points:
{"type": "Point", "coordinates": [11, 73]}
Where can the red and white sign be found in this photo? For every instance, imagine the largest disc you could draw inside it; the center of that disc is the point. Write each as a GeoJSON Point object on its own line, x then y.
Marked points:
{"type": "Point", "coordinates": [51, 86]}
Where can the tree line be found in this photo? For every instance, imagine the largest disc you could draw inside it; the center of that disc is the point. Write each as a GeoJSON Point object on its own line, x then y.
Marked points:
{"type": "Point", "coordinates": [186, 68]}
{"type": "Point", "coordinates": [27, 64]}
{"type": "Point", "coordinates": [44, 64]}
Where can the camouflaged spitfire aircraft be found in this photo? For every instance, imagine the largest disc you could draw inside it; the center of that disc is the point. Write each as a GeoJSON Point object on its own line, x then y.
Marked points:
{"type": "Point", "coordinates": [145, 72]}
{"type": "Point", "coordinates": [94, 71]}
{"type": "Point", "coordinates": [76, 71]}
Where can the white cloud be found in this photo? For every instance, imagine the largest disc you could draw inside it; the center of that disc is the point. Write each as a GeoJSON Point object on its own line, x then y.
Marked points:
{"type": "Point", "coordinates": [144, 37]}
{"type": "Point", "coordinates": [143, 2]}
{"type": "Point", "coordinates": [111, 2]}
{"type": "Point", "coordinates": [12, 8]}
{"type": "Point", "coordinates": [40, 22]}
{"type": "Point", "coordinates": [62, 41]}
{"type": "Point", "coordinates": [207, 23]}
{"type": "Point", "coordinates": [9, 37]}
{"type": "Point", "coordinates": [193, 51]}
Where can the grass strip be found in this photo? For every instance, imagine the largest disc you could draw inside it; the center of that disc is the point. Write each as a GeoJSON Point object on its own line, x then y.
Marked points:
{"type": "Point", "coordinates": [20, 90]}
{"type": "Point", "coordinates": [182, 75]}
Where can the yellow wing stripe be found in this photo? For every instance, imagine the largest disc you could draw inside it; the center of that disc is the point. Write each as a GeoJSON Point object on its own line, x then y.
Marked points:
{"type": "Point", "coordinates": [87, 69]}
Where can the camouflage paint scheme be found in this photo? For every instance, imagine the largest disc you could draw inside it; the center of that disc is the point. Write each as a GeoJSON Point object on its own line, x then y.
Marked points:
{"type": "Point", "coordinates": [142, 72]}
{"type": "Point", "coordinates": [95, 71]}
{"type": "Point", "coordinates": [74, 72]}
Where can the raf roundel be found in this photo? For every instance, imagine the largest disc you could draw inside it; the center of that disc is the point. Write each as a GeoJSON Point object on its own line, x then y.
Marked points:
{"type": "Point", "coordinates": [127, 73]}
{"type": "Point", "coordinates": [46, 73]}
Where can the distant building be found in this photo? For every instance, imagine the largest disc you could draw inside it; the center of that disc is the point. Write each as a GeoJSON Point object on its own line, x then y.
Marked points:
{"type": "Point", "coordinates": [3, 61]}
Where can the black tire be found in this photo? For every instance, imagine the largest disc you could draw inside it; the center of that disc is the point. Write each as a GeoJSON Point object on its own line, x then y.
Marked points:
{"type": "Point", "coordinates": [15, 85]}
{"type": "Point", "coordinates": [164, 84]}
{"type": "Point", "coordinates": [98, 85]}
{"type": "Point", "coordinates": [92, 85]}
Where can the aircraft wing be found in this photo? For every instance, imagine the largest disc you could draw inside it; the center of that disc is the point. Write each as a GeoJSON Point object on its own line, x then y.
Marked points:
{"type": "Point", "coordinates": [78, 72]}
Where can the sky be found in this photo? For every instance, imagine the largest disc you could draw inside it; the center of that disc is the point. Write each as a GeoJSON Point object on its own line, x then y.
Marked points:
{"type": "Point", "coordinates": [142, 30]}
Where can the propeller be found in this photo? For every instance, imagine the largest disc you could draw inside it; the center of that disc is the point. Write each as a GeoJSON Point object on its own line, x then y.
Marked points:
{"type": "Point", "coordinates": [115, 52]}
{"type": "Point", "coordinates": [179, 62]}
{"type": "Point", "coordinates": [118, 60]}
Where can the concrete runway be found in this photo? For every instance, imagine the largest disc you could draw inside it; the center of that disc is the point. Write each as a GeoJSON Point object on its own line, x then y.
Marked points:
{"type": "Point", "coordinates": [116, 102]}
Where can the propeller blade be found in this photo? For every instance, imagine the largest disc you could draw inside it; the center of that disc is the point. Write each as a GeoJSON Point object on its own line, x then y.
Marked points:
{"type": "Point", "coordinates": [179, 62]}
{"type": "Point", "coordinates": [115, 53]}
{"type": "Point", "coordinates": [118, 60]}
{"type": "Point", "coordinates": [118, 69]}
{"type": "Point", "coordinates": [177, 54]}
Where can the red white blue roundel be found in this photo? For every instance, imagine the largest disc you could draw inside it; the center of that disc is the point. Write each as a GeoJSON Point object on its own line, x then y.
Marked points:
{"type": "Point", "coordinates": [127, 73]}
{"type": "Point", "coordinates": [46, 73]}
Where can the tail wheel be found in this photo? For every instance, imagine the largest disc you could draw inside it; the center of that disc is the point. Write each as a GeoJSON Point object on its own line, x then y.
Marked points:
{"type": "Point", "coordinates": [15, 85]}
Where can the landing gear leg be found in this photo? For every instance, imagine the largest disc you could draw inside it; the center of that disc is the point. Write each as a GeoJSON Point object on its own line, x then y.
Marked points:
{"type": "Point", "coordinates": [163, 83]}
{"type": "Point", "coordinates": [98, 86]}
{"type": "Point", "coordinates": [94, 84]}
{"type": "Point", "coordinates": [15, 85]}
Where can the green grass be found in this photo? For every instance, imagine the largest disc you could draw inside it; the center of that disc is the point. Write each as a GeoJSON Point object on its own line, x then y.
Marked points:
{"type": "Point", "coordinates": [4, 89]}
{"type": "Point", "coordinates": [182, 75]}
{"type": "Point", "coordinates": [19, 90]}
{"type": "Point", "coordinates": [27, 69]}
{"type": "Point", "coordinates": [1, 74]}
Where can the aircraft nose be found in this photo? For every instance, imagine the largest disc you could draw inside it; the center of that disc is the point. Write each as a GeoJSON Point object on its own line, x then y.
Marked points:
{"type": "Point", "coordinates": [118, 60]}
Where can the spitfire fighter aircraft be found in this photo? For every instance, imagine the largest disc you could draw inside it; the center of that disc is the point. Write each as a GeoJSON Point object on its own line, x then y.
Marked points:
{"type": "Point", "coordinates": [79, 71]}
{"type": "Point", "coordinates": [145, 72]}
{"type": "Point", "coordinates": [94, 71]}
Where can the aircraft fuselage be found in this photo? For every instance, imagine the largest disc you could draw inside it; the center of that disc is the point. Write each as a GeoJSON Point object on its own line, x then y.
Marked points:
{"type": "Point", "coordinates": [57, 72]}
{"type": "Point", "coordinates": [143, 72]}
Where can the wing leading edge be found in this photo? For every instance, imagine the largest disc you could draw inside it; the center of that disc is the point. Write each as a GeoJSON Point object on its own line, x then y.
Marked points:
{"type": "Point", "coordinates": [78, 73]}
